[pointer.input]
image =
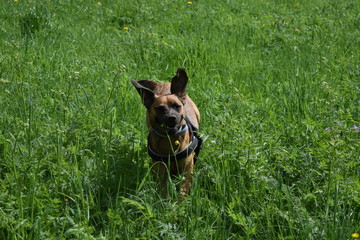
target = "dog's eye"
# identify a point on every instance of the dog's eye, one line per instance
(176, 106)
(160, 108)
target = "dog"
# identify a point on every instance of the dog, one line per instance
(173, 122)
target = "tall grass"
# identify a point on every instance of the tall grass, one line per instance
(277, 84)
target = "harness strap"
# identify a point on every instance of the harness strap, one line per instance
(194, 145)
(180, 155)
(195, 131)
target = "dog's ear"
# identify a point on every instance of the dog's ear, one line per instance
(144, 88)
(178, 84)
(148, 84)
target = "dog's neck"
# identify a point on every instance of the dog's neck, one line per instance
(165, 144)
(173, 148)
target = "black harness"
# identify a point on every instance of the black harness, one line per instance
(194, 145)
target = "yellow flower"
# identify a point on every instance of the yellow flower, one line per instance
(355, 235)
(177, 142)
(126, 28)
(98, 3)
(16, 0)
(189, 3)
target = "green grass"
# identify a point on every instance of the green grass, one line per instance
(277, 85)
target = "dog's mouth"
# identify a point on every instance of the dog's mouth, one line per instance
(170, 124)
(172, 129)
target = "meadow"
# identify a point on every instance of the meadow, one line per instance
(277, 83)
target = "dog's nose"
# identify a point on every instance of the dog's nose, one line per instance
(171, 121)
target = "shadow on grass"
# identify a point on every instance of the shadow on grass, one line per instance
(120, 167)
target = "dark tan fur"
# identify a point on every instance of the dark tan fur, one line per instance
(164, 96)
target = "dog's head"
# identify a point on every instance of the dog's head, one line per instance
(165, 111)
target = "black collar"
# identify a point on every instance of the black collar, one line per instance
(195, 144)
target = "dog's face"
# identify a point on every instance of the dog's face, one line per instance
(166, 111)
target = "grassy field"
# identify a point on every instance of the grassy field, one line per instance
(277, 83)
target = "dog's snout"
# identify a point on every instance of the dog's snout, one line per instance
(171, 120)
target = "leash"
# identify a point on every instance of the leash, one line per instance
(194, 145)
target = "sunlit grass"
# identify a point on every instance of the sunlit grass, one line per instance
(277, 86)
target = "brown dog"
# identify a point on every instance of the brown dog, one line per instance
(173, 121)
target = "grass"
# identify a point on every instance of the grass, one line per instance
(277, 84)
